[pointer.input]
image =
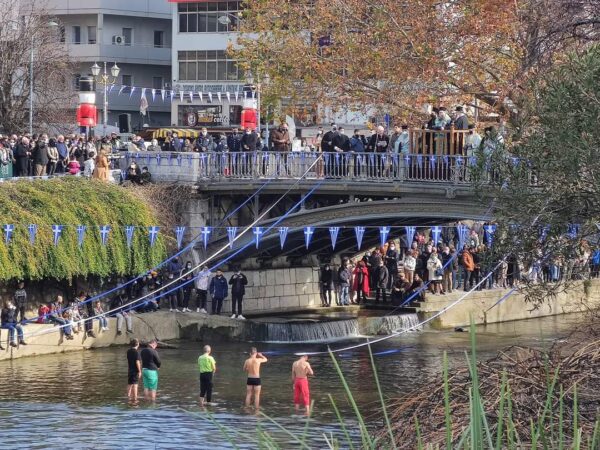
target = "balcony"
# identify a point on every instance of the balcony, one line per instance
(130, 54)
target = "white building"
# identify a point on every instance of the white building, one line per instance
(202, 31)
(134, 34)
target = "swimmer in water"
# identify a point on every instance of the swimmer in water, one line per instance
(252, 368)
(300, 371)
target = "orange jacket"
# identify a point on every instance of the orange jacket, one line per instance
(468, 261)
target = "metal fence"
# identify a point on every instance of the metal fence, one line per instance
(380, 167)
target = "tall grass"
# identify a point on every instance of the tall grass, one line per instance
(486, 430)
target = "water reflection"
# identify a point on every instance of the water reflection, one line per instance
(78, 399)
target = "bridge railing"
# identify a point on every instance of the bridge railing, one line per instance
(438, 142)
(382, 167)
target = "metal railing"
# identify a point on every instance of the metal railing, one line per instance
(379, 167)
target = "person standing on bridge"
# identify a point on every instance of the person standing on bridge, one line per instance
(218, 291)
(238, 282)
(252, 368)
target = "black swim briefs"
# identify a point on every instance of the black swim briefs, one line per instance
(253, 382)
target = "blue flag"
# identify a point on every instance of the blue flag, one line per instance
(257, 234)
(153, 234)
(383, 234)
(360, 232)
(410, 235)
(283, 232)
(308, 233)
(81, 229)
(104, 231)
(32, 228)
(179, 233)
(129, 230)
(489, 234)
(231, 232)
(8, 232)
(573, 230)
(333, 232)
(205, 236)
(463, 234)
(56, 232)
(436, 232)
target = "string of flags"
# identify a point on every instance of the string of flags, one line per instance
(461, 231)
(181, 94)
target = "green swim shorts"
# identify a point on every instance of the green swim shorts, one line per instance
(150, 378)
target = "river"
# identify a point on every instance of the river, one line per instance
(77, 400)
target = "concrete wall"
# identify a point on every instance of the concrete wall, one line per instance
(583, 297)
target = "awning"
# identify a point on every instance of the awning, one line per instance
(182, 133)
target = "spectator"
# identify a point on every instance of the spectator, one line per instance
(238, 282)
(447, 261)
(234, 141)
(344, 277)
(218, 291)
(55, 316)
(417, 290)
(187, 146)
(102, 167)
(468, 268)
(391, 262)
(21, 155)
(280, 139)
(361, 282)
(117, 308)
(52, 157)
(20, 301)
(9, 322)
(89, 165)
(154, 147)
(145, 176)
(326, 285)
(436, 273)
(63, 154)
(461, 122)
(73, 167)
(381, 279)
(249, 141)
(202, 280)
(399, 290)
(187, 277)
(204, 142)
(99, 313)
(134, 172)
(410, 262)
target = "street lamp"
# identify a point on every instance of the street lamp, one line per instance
(50, 24)
(265, 80)
(106, 80)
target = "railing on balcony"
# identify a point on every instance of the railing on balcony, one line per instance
(438, 142)
(355, 167)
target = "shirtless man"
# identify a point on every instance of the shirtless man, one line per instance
(300, 371)
(252, 368)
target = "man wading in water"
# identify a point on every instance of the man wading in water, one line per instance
(150, 366)
(134, 372)
(300, 371)
(252, 368)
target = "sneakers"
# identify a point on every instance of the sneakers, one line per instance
(119, 332)
(203, 311)
(91, 334)
(233, 316)
(22, 342)
(69, 337)
(129, 331)
(105, 329)
(240, 317)
(13, 344)
(197, 310)
(170, 309)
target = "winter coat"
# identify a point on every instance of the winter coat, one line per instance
(326, 278)
(468, 262)
(344, 275)
(381, 277)
(379, 144)
(202, 280)
(218, 287)
(361, 279)
(410, 262)
(9, 316)
(40, 154)
(280, 140)
(234, 142)
(391, 261)
(238, 284)
(20, 297)
(249, 142)
(434, 264)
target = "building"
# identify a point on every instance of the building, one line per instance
(202, 30)
(134, 34)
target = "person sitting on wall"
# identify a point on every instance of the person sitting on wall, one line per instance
(9, 322)
(145, 176)
(134, 172)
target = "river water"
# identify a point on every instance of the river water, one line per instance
(77, 400)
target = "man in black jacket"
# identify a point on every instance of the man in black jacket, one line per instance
(9, 322)
(381, 279)
(380, 144)
(327, 149)
(40, 158)
(22, 153)
(341, 145)
(238, 282)
(344, 276)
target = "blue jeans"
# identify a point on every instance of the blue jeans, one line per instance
(11, 327)
(344, 294)
(62, 322)
(103, 321)
(554, 272)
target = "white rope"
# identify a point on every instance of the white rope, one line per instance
(190, 271)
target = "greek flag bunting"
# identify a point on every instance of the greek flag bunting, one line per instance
(463, 234)
(231, 232)
(153, 234)
(179, 233)
(104, 231)
(384, 232)
(333, 233)
(489, 234)
(8, 232)
(81, 229)
(573, 230)
(359, 232)
(32, 228)
(257, 233)
(308, 233)
(410, 235)
(205, 236)
(283, 232)
(129, 230)
(436, 232)
(56, 232)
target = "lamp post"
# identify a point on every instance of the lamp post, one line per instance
(106, 80)
(265, 80)
(51, 24)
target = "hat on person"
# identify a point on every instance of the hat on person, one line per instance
(471, 126)
(459, 108)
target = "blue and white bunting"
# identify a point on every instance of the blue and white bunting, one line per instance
(153, 234)
(32, 228)
(333, 233)
(573, 230)
(359, 232)
(544, 232)
(56, 232)
(384, 232)
(410, 235)
(257, 231)
(308, 233)
(489, 234)
(179, 233)
(205, 236)
(463, 234)
(8, 232)
(436, 232)
(104, 232)
(129, 230)
(283, 232)
(81, 229)
(231, 233)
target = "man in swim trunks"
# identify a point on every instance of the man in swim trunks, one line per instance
(207, 367)
(252, 368)
(300, 371)
(150, 366)
(134, 372)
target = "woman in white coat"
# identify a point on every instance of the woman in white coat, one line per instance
(434, 266)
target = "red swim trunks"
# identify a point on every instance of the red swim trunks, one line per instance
(301, 392)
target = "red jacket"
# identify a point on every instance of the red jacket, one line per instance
(365, 279)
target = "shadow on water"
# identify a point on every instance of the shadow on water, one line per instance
(78, 399)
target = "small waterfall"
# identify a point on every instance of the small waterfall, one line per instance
(306, 331)
(392, 324)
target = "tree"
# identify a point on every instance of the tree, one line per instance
(26, 28)
(546, 188)
(400, 54)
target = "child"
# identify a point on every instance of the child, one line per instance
(43, 312)
(89, 165)
(73, 166)
(99, 313)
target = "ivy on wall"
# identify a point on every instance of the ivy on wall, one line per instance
(74, 201)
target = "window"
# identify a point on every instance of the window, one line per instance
(159, 39)
(128, 35)
(62, 33)
(127, 81)
(209, 17)
(157, 82)
(207, 66)
(76, 34)
(76, 78)
(91, 34)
